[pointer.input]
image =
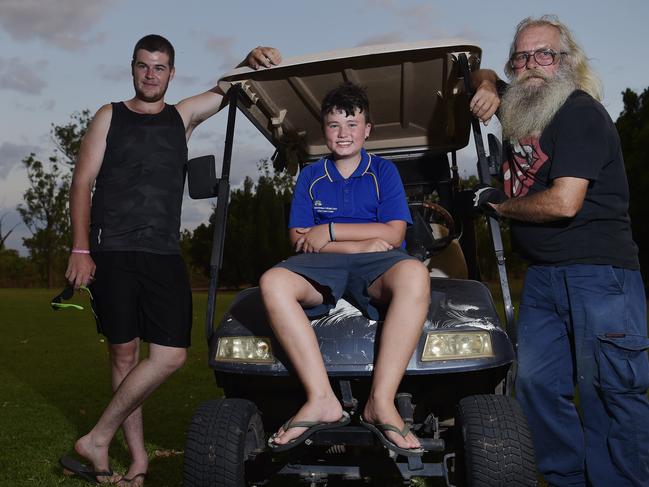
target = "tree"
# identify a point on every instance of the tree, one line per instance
(633, 127)
(44, 209)
(16, 271)
(256, 237)
(45, 213)
(68, 137)
(239, 250)
(5, 236)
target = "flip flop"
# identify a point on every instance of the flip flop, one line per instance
(312, 427)
(84, 471)
(379, 431)
(128, 481)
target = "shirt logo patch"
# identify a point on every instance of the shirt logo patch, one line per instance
(324, 209)
(317, 203)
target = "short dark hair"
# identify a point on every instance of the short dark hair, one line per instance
(346, 97)
(153, 43)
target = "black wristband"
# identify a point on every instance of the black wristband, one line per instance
(332, 237)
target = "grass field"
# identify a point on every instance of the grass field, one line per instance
(55, 383)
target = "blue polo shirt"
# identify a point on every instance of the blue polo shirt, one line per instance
(372, 194)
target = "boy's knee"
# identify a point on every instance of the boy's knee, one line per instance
(414, 276)
(270, 279)
(278, 283)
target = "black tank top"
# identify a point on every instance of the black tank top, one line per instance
(138, 192)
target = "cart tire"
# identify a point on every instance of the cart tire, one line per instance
(223, 433)
(495, 444)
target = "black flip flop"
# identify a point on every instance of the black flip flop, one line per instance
(312, 427)
(132, 479)
(379, 431)
(84, 471)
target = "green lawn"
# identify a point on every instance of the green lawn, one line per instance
(55, 383)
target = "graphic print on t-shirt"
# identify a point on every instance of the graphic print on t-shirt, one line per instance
(521, 168)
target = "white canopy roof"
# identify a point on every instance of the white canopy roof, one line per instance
(417, 97)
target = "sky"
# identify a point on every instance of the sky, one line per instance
(63, 56)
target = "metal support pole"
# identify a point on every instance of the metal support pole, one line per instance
(221, 214)
(494, 227)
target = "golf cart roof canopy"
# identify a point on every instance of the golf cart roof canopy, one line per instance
(417, 98)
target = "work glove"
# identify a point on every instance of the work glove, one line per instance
(484, 195)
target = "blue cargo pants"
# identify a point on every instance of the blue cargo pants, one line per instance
(585, 325)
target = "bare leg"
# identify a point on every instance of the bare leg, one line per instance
(124, 358)
(134, 389)
(406, 287)
(284, 293)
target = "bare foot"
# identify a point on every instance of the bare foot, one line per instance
(136, 474)
(97, 455)
(377, 412)
(137, 480)
(325, 410)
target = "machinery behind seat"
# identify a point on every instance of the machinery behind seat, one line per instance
(433, 236)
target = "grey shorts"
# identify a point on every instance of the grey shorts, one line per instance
(344, 275)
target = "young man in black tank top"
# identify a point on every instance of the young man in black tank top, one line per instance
(125, 245)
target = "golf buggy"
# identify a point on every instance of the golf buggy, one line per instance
(456, 392)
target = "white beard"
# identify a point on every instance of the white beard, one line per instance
(526, 110)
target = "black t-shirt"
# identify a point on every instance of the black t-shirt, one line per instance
(139, 189)
(582, 142)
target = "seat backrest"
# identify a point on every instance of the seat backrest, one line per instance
(450, 262)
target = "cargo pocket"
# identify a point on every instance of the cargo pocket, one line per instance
(623, 365)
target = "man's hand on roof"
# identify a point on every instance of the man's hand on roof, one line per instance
(485, 102)
(263, 56)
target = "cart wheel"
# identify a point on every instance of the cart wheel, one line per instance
(494, 443)
(222, 435)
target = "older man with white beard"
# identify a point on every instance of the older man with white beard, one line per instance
(582, 317)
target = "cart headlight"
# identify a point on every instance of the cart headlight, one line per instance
(454, 345)
(244, 349)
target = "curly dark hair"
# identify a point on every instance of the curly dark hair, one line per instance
(346, 97)
(153, 43)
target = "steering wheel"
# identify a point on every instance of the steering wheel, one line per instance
(433, 229)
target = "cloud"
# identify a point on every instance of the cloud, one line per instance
(49, 104)
(17, 75)
(222, 47)
(63, 24)
(186, 80)
(420, 17)
(219, 43)
(195, 212)
(115, 72)
(205, 135)
(12, 154)
(37, 106)
(386, 38)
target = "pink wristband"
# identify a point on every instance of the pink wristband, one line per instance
(80, 251)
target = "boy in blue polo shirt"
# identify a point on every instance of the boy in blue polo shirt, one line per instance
(348, 222)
